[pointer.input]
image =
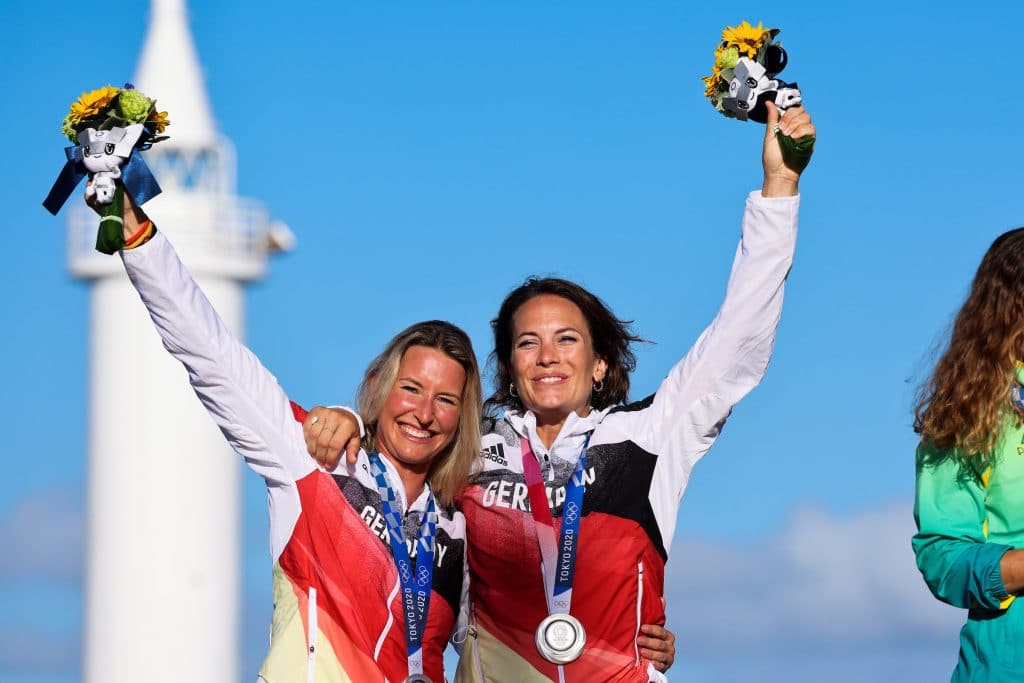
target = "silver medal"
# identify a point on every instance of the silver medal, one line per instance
(560, 638)
(416, 678)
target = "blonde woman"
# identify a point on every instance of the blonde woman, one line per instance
(573, 503)
(369, 560)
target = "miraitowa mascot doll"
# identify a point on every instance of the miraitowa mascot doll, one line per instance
(745, 77)
(752, 84)
(103, 154)
(112, 127)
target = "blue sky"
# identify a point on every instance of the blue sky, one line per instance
(429, 156)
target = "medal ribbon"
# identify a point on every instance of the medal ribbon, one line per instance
(416, 578)
(559, 560)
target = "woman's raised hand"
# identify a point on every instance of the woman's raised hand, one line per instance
(328, 433)
(779, 179)
(133, 215)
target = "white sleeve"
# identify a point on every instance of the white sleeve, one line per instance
(684, 417)
(242, 396)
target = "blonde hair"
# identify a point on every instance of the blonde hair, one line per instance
(450, 469)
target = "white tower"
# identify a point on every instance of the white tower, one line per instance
(163, 549)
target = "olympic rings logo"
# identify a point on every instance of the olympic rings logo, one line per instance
(422, 575)
(571, 513)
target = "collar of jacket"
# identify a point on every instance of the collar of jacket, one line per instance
(394, 478)
(525, 424)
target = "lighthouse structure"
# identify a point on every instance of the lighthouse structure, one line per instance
(162, 567)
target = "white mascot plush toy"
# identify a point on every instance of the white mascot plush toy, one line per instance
(103, 154)
(752, 85)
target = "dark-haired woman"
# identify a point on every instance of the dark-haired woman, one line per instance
(565, 601)
(369, 561)
(969, 505)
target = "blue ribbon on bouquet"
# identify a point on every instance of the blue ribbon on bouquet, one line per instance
(136, 177)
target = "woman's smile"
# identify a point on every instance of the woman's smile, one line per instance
(553, 359)
(421, 414)
(413, 433)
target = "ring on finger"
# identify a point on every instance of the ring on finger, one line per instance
(316, 418)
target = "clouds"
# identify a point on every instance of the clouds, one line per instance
(823, 594)
(38, 652)
(42, 536)
(824, 598)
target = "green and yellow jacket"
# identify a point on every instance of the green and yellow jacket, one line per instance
(969, 513)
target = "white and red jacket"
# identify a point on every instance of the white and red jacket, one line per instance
(337, 609)
(637, 468)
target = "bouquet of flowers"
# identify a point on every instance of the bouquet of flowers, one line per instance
(745, 76)
(109, 126)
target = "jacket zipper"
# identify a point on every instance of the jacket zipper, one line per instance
(476, 647)
(312, 630)
(387, 625)
(639, 603)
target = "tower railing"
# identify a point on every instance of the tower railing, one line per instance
(221, 235)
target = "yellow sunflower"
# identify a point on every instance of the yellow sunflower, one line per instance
(746, 38)
(711, 82)
(710, 85)
(158, 121)
(90, 104)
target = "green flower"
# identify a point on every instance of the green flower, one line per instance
(67, 126)
(133, 106)
(729, 58)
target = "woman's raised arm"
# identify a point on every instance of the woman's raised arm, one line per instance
(242, 397)
(684, 417)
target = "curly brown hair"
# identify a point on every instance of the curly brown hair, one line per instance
(963, 405)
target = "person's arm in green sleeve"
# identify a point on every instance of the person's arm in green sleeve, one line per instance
(958, 564)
